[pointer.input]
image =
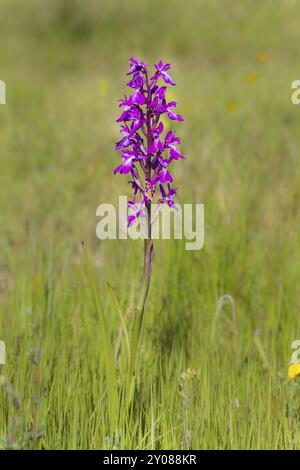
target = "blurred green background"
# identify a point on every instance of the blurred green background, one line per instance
(64, 64)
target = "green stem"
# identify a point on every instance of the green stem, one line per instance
(138, 321)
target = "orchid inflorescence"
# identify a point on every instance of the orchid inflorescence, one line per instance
(144, 149)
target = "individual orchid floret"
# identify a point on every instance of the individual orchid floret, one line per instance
(162, 72)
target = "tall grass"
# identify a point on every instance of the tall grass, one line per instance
(204, 379)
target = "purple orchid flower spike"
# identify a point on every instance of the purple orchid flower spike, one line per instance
(147, 155)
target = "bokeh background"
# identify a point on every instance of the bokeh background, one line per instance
(64, 64)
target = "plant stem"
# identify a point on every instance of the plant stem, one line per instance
(148, 258)
(139, 313)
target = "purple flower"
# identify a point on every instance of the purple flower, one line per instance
(162, 72)
(136, 210)
(167, 197)
(144, 149)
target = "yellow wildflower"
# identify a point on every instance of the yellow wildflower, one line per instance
(250, 78)
(232, 106)
(294, 370)
(261, 57)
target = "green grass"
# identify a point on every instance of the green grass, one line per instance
(64, 64)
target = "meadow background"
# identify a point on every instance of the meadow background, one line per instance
(205, 381)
